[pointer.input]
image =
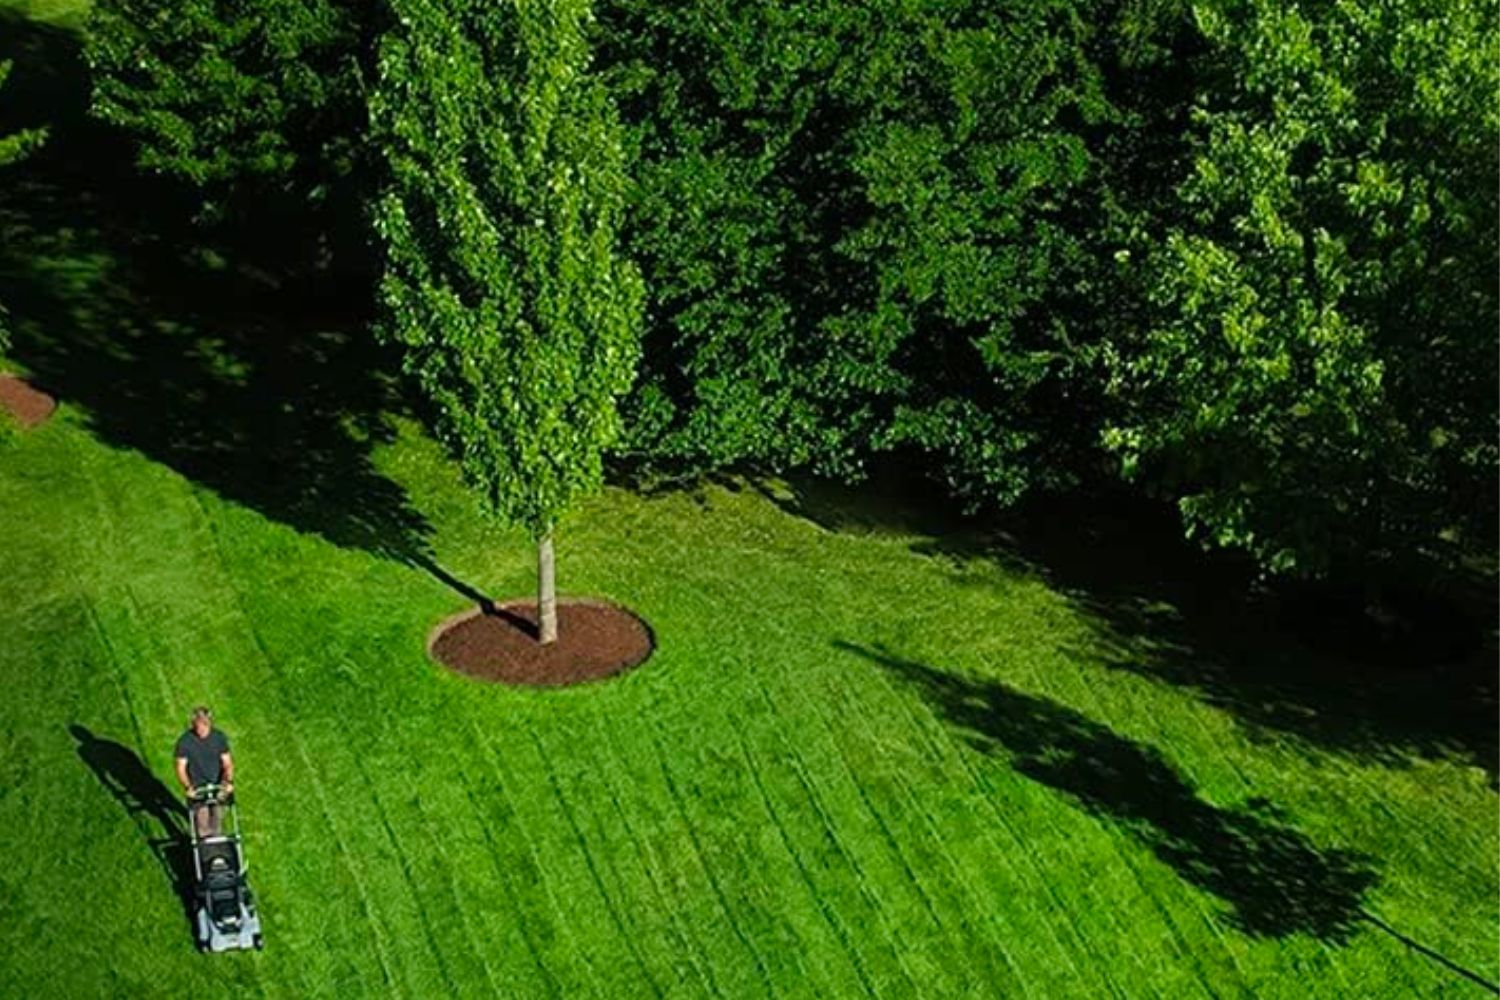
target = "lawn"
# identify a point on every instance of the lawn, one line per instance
(873, 754)
(860, 763)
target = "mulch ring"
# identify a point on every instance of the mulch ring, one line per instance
(594, 640)
(27, 405)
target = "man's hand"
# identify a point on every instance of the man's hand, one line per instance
(228, 789)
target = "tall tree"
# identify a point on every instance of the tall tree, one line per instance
(1315, 380)
(518, 315)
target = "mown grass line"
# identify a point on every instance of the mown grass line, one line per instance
(605, 765)
(581, 842)
(111, 553)
(520, 922)
(574, 949)
(250, 706)
(851, 701)
(446, 843)
(799, 769)
(815, 896)
(1143, 878)
(972, 900)
(675, 797)
(294, 730)
(1093, 698)
(443, 873)
(423, 919)
(940, 747)
(567, 848)
(888, 946)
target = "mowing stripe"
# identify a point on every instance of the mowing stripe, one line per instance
(1197, 896)
(588, 858)
(724, 908)
(411, 886)
(861, 880)
(106, 516)
(278, 686)
(604, 764)
(564, 925)
(830, 916)
(926, 723)
(106, 539)
(435, 835)
(520, 924)
(993, 915)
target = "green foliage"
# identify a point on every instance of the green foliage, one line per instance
(519, 317)
(14, 148)
(1248, 245)
(221, 92)
(1318, 380)
(851, 217)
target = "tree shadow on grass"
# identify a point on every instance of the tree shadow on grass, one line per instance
(1286, 661)
(267, 403)
(1303, 660)
(1277, 881)
(155, 811)
(264, 385)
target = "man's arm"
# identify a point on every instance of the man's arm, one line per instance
(182, 775)
(227, 762)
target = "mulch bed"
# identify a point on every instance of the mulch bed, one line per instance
(28, 405)
(594, 640)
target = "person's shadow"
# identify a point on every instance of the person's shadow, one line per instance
(157, 813)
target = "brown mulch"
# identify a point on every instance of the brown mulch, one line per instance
(594, 640)
(28, 405)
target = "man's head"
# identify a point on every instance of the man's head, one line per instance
(202, 721)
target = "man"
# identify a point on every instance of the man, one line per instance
(203, 759)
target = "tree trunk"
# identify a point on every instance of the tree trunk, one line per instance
(546, 580)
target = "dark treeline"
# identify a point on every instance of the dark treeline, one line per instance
(1242, 255)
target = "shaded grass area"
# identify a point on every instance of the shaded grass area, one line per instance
(1291, 662)
(185, 341)
(1276, 880)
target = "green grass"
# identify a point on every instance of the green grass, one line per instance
(850, 769)
(872, 761)
(68, 13)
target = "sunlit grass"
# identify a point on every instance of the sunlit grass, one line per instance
(850, 769)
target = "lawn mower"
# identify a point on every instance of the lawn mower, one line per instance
(224, 910)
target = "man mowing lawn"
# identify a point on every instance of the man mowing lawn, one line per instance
(203, 759)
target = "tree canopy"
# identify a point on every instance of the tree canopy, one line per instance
(1316, 378)
(519, 317)
(1241, 253)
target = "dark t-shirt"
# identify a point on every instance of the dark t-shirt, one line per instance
(203, 764)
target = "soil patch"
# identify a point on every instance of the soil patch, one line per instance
(594, 640)
(28, 405)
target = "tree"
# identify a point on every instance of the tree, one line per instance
(257, 106)
(1316, 382)
(14, 148)
(518, 316)
(860, 224)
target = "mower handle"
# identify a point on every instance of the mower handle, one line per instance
(205, 793)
